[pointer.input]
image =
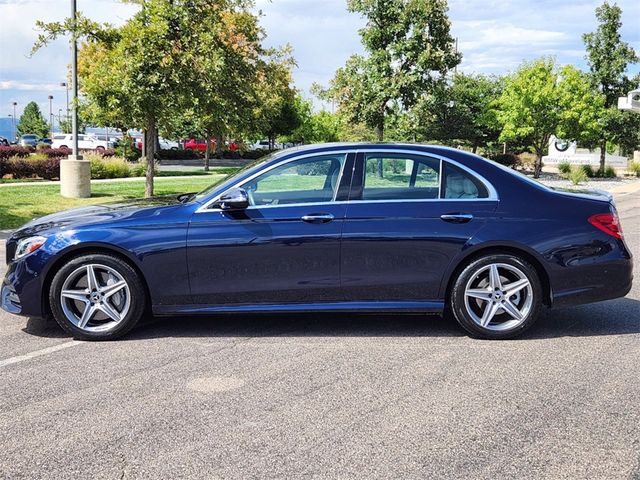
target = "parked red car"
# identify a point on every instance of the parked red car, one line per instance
(200, 144)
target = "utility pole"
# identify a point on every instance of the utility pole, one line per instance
(66, 86)
(50, 117)
(75, 172)
(15, 132)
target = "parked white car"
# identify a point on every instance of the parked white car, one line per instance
(264, 145)
(85, 142)
(168, 144)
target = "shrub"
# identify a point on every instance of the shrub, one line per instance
(102, 168)
(255, 154)
(564, 168)
(588, 171)
(47, 168)
(9, 152)
(527, 160)
(609, 172)
(127, 150)
(54, 152)
(20, 167)
(576, 175)
(634, 168)
(177, 154)
(506, 159)
(140, 169)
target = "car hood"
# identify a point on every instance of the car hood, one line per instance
(106, 213)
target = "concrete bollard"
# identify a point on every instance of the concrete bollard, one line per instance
(75, 177)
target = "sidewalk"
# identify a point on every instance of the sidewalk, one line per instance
(107, 180)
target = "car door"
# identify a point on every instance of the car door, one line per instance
(408, 216)
(285, 247)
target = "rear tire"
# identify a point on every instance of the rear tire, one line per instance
(97, 296)
(496, 297)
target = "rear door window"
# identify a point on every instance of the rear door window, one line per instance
(389, 176)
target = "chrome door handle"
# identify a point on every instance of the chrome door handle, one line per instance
(317, 218)
(457, 217)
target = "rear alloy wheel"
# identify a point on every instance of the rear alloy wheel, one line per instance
(497, 297)
(96, 297)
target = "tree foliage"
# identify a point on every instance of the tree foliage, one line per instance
(609, 57)
(541, 100)
(462, 112)
(32, 121)
(409, 51)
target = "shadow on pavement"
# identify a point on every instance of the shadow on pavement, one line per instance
(615, 317)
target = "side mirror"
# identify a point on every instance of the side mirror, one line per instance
(234, 199)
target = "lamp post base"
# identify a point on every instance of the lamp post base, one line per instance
(75, 177)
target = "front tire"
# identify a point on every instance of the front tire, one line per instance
(496, 297)
(97, 296)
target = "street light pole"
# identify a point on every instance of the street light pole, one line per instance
(66, 87)
(15, 132)
(50, 117)
(75, 172)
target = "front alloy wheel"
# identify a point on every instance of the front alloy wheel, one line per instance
(97, 296)
(497, 297)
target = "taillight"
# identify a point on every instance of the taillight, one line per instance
(608, 223)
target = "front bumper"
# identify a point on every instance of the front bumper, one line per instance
(21, 289)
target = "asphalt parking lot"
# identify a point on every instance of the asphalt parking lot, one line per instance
(331, 396)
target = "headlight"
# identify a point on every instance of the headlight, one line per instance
(28, 245)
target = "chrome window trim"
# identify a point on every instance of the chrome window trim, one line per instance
(205, 206)
(493, 194)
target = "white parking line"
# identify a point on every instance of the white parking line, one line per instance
(38, 353)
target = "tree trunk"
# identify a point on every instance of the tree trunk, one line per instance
(219, 141)
(538, 167)
(150, 151)
(380, 138)
(474, 148)
(603, 156)
(207, 152)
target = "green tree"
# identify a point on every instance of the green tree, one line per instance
(410, 50)
(232, 63)
(141, 73)
(582, 108)
(277, 111)
(462, 111)
(315, 127)
(540, 100)
(609, 58)
(32, 121)
(529, 107)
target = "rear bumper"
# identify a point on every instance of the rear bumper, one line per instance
(595, 283)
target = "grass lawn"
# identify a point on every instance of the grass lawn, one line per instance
(20, 204)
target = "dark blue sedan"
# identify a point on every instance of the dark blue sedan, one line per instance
(343, 227)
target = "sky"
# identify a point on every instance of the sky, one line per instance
(494, 36)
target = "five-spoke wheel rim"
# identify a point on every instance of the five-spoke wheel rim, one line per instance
(498, 297)
(95, 298)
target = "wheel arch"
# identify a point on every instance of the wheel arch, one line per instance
(483, 250)
(84, 249)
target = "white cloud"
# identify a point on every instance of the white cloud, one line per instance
(27, 86)
(494, 37)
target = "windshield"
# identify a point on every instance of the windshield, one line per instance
(229, 178)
